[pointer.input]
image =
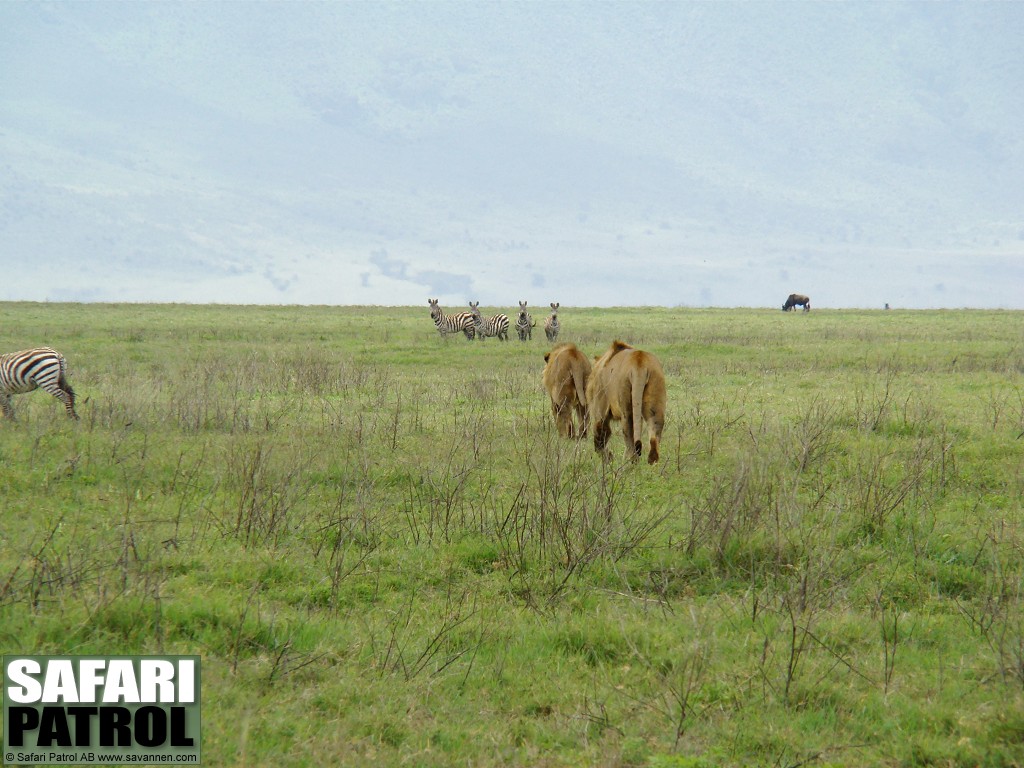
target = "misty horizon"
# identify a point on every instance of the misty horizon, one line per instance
(606, 154)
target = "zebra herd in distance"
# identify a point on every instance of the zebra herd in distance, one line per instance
(472, 324)
(45, 368)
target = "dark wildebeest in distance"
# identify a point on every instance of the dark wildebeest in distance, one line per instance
(797, 300)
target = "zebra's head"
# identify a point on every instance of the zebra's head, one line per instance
(474, 307)
(435, 310)
(554, 308)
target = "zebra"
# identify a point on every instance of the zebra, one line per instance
(492, 326)
(525, 324)
(551, 325)
(29, 369)
(459, 321)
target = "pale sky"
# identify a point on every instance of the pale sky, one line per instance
(591, 153)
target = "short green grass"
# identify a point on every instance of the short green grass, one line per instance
(383, 551)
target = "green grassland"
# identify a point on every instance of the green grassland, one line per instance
(384, 553)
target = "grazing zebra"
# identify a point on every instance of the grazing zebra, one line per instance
(460, 321)
(525, 324)
(492, 326)
(551, 325)
(24, 371)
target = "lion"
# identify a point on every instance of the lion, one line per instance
(566, 371)
(627, 385)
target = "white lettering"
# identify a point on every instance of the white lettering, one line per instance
(186, 681)
(81, 680)
(121, 684)
(59, 682)
(19, 674)
(88, 679)
(157, 674)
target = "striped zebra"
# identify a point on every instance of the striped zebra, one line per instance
(551, 325)
(492, 326)
(525, 324)
(460, 321)
(42, 368)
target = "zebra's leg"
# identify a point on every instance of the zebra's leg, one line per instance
(5, 406)
(67, 396)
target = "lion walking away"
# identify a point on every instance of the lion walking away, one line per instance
(566, 372)
(627, 385)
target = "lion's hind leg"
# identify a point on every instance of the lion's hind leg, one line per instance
(634, 448)
(581, 417)
(602, 431)
(655, 426)
(563, 417)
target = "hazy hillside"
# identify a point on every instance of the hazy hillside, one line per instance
(594, 153)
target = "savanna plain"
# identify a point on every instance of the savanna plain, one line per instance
(384, 553)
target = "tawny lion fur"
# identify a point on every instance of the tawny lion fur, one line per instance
(627, 385)
(566, 372)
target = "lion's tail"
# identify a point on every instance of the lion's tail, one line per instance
(578, 381)
(638, 384)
